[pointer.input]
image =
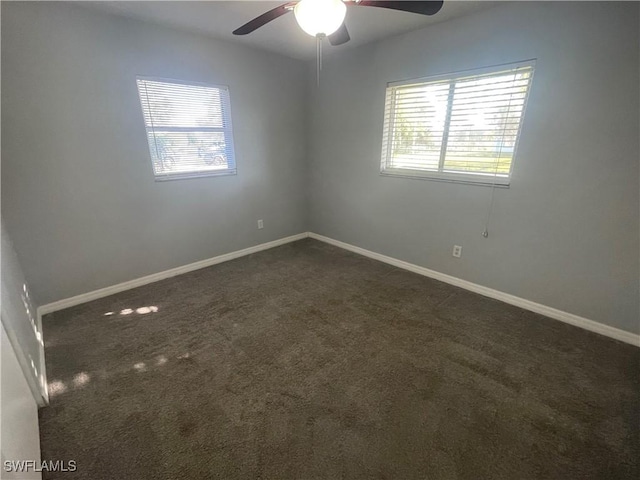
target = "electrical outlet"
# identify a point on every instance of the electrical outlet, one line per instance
(457, 251)
(260, 224)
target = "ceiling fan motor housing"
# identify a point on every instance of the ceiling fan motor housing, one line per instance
(320, 17)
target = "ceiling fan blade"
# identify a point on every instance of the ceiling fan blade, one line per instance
(340, 36)
(264, 18)
(422, 7)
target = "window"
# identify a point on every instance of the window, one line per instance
(188, 128)
(457, 127)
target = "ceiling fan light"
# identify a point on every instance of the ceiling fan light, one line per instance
(320, 17)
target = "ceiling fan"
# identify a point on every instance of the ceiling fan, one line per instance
(325, 18)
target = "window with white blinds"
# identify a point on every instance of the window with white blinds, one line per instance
(188, 128)
(458, 127)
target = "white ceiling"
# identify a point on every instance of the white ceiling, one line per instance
(219, 18)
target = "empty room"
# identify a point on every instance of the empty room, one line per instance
(324, 239)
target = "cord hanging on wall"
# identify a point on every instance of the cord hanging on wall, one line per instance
(485, 232)
(319, 38)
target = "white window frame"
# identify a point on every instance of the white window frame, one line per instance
(482, 179)
(227, 130)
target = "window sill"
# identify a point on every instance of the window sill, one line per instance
(469, 179)
(184, 176)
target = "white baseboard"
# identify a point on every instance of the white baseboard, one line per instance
(138, 282)
(622, 335)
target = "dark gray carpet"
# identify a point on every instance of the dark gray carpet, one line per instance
(308, 362)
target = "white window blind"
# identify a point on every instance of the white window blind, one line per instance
(460, 127)
(188, 128)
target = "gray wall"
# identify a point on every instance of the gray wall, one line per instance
(78, 194)
(84, 212)
(566, 233)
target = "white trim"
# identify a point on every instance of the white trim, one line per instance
(138, 282)
(502, 68)
(570, 318)
(481, 180)
(44, 385)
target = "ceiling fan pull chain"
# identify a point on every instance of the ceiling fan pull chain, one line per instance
(319, 38)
